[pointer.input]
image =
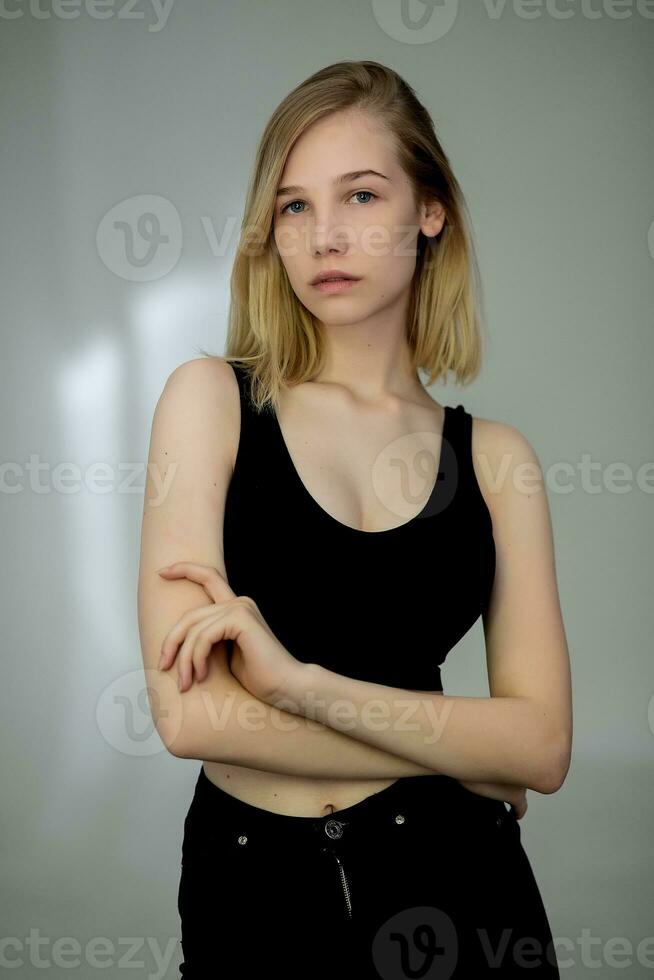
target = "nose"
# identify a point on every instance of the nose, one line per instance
(326, 236)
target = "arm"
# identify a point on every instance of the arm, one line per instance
(225, 723)
(500, 739)
(520, 735)
(193, 442)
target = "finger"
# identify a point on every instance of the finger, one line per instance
(227, 623)
(213, 630)
(215, 585)
(177, 633)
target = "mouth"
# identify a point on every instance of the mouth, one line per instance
(336, 285)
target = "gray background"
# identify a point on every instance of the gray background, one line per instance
(546, 123)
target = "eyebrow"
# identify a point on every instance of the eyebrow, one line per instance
(342, 179)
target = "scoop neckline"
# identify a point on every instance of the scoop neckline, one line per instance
(347, 528)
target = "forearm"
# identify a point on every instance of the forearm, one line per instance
(222, 722)
(505, 740)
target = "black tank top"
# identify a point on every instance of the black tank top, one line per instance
(380, 606)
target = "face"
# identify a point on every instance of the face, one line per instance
(366, 226)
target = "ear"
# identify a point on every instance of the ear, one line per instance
(432, 218)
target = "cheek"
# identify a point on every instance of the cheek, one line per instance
(290, 241)
(394, 270)
(389, 240)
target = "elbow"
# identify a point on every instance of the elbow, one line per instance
(184, 743)
(176, 747)
(179, 731)
(172, 737)
(198, 723)
(166, 714)
(190, 730)
(556, 766)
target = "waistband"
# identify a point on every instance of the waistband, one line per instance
(418, 800)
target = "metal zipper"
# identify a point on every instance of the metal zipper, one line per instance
(346, 887)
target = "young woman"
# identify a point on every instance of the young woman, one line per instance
(333, 532)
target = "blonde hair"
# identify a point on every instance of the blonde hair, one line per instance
(270, 332)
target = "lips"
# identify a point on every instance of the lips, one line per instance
(332, 274)
(333, 286)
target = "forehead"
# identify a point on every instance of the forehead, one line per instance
(340, 143)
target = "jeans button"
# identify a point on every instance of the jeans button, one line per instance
(242, 839)
(334, 829)
(399, 818)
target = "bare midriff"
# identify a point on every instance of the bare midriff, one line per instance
(292, 795)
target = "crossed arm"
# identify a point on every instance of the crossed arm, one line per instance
(520, 735)
(217, 720)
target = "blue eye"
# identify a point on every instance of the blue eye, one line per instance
(291, 203)
(369, 193)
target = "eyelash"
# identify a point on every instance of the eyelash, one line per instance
(283, 209)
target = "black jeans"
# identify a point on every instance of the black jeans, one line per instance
(423, 879)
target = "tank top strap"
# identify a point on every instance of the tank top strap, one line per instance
(258, 449)
(248, 411)
(460, 440)
(460, 448)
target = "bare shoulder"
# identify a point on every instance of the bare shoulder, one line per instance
(505, 462)
(202, 370)
(207, 377)
(202, 395)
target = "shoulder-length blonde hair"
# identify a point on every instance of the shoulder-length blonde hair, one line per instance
(270, 332)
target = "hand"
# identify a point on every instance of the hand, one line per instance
(259, 661)
(507, 792)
